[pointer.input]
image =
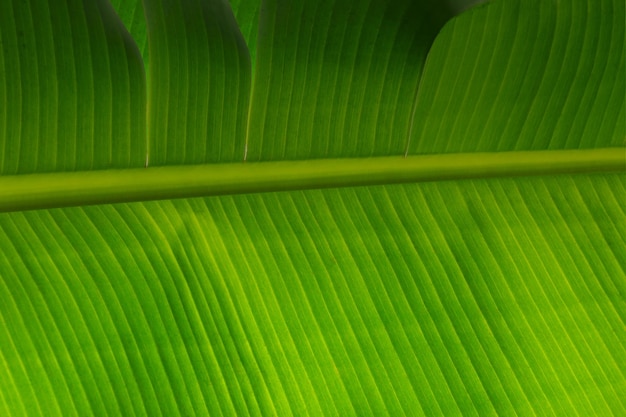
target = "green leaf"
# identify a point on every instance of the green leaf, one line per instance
(339, 79)
(247, 15)
(199, 83)
(72, 90)
(132, 14)
(475, 297)
(458, 296)
(548, 75)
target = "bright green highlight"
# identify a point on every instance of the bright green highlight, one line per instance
(110, 186)
(485, 297)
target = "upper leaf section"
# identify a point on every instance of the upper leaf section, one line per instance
(199, 83)
(72, 88)
(132, 14)
(247, 15)
(332, 79)
(525, 75)
(338, 78)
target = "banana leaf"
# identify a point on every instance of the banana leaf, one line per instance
(294, 207)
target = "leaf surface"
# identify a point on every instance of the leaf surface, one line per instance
(500, 296)
(338, 79)
(199, 83)
(470, 297)
(525, 75)
(72, 89)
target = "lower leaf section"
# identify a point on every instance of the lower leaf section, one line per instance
(474, 297)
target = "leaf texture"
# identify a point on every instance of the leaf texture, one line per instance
(482, 297)
(525, 75)
(131, 12)
(470, 297)
(247, 14)
(337, 78)
(199, 83)
(72, 88)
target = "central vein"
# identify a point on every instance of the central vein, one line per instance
(46, 190)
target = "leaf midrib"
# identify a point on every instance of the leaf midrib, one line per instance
(47, 190)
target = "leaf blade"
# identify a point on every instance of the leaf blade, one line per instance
(362, 250)
(199, 83)
(524, 75)
(57, 116)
